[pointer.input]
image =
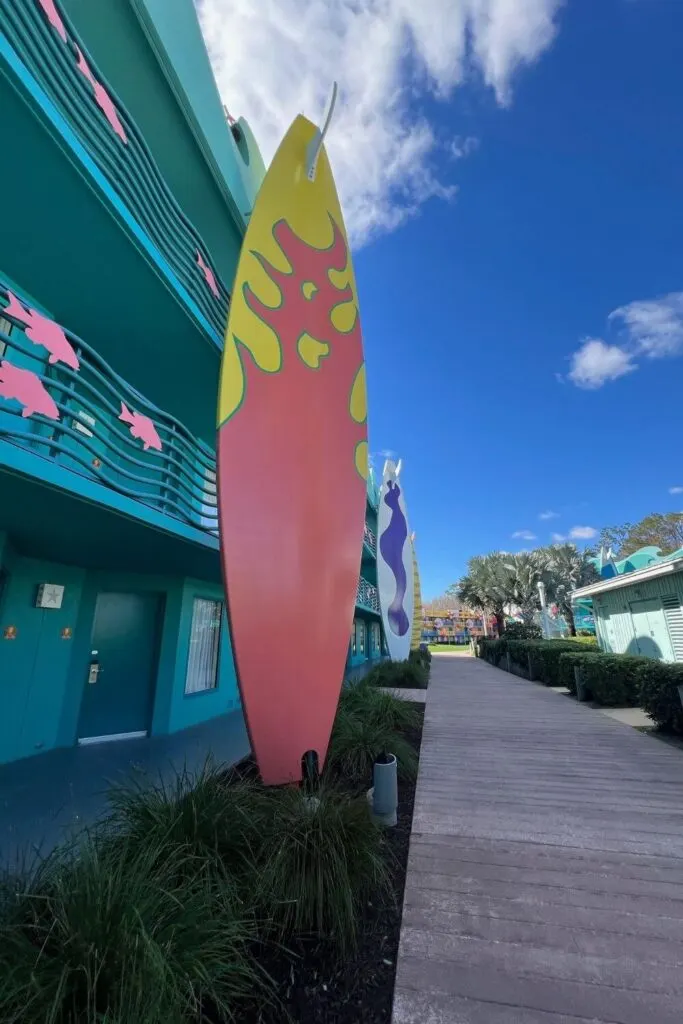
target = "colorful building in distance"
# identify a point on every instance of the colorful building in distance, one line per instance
(126, 198)
(451, 626)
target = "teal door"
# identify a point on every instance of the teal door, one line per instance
(119, 687)
(651, 632)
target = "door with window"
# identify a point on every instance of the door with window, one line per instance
(118, 696)
(651, 634)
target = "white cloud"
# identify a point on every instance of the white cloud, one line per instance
(676, 490)
(654, 327)
(557, 538)
(548, 515)
(524, 535)
(650, 327)
(596, 362)
(276, 58)
(463, 146)
(583, 532)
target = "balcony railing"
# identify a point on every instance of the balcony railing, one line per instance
(60, 399)
(45, 40)
(367, 595)
(369, 539)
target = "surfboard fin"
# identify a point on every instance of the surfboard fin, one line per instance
(316, 143)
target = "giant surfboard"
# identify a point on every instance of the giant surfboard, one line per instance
(292, 460)
(395, 581)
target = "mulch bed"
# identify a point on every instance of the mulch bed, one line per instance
(314, 985)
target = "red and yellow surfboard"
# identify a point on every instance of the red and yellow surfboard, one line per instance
(292, 460)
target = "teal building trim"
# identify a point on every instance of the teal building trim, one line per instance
(58, 122)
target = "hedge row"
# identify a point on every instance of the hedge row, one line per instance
(538, 659)
(608, 679)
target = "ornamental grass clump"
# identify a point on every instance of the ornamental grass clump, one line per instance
(323, 858)
(211, 814)
(110, 933)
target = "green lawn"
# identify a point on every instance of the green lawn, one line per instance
(450, 648)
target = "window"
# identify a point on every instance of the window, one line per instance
(354, 633)
(376, 637)
(360, 636)
(5, 328)
(205, 635)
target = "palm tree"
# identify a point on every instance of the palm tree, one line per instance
(568, 569)
(486, 587)
(527, 569)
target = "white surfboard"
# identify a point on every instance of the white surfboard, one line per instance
(395, 564)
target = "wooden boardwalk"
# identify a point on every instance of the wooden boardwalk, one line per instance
(545, 880)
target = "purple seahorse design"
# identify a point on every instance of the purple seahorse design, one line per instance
(391, 547)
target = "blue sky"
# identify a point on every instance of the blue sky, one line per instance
(521, 292)
(570, 208)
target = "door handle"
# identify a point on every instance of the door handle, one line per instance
(93, 672)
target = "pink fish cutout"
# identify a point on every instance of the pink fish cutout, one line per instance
(208, 273)
(28, 389)
(102, 97)
(52, 15)
(43, 331)
(142, 428)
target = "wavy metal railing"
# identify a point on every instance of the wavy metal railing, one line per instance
(370, 539)
(372, 491)
(367, 595)
(47, 42)
(74, 409)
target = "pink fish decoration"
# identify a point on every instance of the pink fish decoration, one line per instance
(142, 428)
(208, 273)
(52, 15)
(43, 331)
(28, 389)
(102, 97)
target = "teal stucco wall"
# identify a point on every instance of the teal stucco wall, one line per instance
(123, 53)
(42, 675)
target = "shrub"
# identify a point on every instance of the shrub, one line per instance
(542, 656)
(421, 656)
(370, 702)
(569, 660)
(411, 675)
(659, 684)
(325, 859)
(94, 935)
(200, 813)
(523, 631)
(358, 740)
(613, 679)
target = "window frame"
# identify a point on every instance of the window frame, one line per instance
(219, 646)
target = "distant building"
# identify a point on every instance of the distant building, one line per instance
(451, 626)
(640, 611)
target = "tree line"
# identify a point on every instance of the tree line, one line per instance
(499, 580)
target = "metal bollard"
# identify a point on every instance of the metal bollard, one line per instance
(383, 797)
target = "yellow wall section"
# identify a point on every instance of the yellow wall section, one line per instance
(287, 194)
(416, 638)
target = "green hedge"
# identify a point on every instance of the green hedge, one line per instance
(659, 682)
(568, 661)
(613, 679)
(542, 656)
(411, 674)
(610, 679)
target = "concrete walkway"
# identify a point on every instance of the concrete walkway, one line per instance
(45, 799)
(545, 880)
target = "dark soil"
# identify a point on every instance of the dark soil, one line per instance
(314, 985)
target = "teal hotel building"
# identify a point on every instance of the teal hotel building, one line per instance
(125, 195)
